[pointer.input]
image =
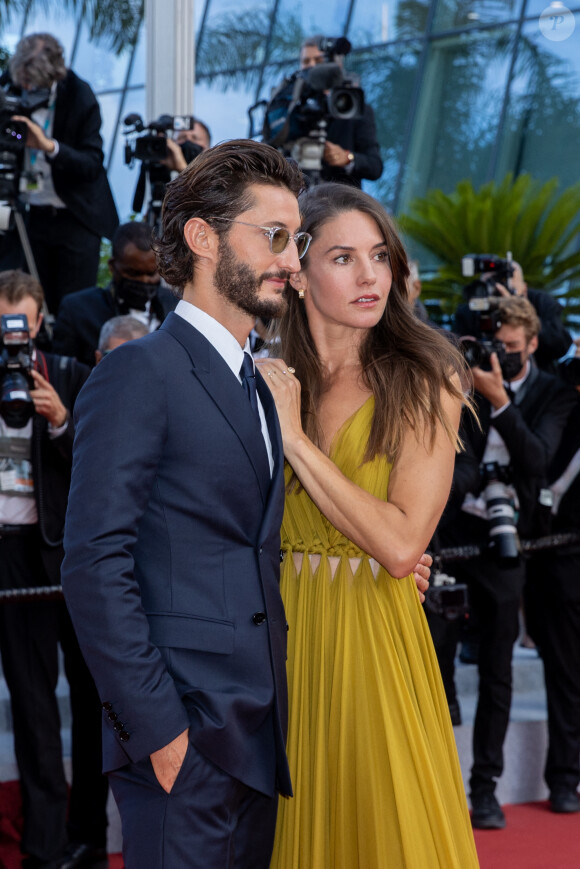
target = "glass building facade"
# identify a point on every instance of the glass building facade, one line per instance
(460, 88)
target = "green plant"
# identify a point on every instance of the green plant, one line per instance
(533, 220)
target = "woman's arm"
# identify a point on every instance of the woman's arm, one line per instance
(396, 532)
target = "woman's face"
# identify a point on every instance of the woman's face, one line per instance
(348, 277)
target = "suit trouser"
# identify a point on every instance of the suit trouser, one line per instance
(494, 599)
(30, 634)
(209, 820)
(553, 604)
(66, 253)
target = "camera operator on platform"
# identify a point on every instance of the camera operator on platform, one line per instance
(135, 289)
(522, 413)
(36, 438)
(554, 339)
(70, 203)
(351, 152)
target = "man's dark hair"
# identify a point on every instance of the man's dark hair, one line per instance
(216, 184)
(16, 285)
(135, 233)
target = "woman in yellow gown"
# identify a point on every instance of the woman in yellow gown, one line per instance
(369, 423)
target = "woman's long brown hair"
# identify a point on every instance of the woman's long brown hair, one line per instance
(405, 363)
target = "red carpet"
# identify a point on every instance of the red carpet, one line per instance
(534, 838)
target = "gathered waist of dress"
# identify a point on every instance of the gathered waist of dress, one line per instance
(334, 555)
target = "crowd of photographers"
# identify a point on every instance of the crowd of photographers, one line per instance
(516, 480)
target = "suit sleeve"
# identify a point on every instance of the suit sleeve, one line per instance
(531, 452)
(80, 153)
(554, 338)
(121, 424)
(367, 153)
(65, 336)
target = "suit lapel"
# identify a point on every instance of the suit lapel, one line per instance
(226, 392)
(275, 503)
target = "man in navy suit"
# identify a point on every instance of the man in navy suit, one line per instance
(172, 539)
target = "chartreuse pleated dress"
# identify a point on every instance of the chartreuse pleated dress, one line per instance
(377, 783)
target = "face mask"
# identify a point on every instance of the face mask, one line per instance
(134, 294)
(511, 365)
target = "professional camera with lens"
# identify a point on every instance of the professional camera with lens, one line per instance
(16, 405)
(297, 116)
(482, 293)
(504, 541)
(151, 148)
(478, 352)
(13, 134)
(446, 597)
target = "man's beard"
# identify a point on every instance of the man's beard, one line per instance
(236, 281)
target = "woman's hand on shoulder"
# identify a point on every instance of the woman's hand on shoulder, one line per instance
(285, 389)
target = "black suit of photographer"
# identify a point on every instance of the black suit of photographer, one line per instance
(82, 315)
(359, 137)
(531, 427)
(30, 634)
(66, 241)
(552, 601)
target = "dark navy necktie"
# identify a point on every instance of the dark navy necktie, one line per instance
(248, 376)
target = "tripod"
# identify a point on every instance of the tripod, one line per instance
(14, 209)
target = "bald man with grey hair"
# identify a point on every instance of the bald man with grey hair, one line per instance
(117, 331)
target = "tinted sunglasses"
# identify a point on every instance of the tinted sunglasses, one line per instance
(278, 237)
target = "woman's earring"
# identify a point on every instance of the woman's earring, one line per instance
(300, 294)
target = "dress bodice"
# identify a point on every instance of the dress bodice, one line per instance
(304, 528)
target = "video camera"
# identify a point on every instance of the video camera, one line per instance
(16, 348)
(483, 298)
(13, 134)
(297, 116)
(151, 149)
(481, 292)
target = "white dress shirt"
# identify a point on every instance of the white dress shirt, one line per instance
(229, 349)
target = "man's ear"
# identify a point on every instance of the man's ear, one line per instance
(200, 238)
(533, 345)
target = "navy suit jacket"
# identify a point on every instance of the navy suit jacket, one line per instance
(171, 569)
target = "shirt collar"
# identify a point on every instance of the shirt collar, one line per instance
(218, 336)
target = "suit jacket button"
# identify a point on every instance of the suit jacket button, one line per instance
(112, 716)
(259, 618)
(118, 725)
(124, 736)
(107, 706)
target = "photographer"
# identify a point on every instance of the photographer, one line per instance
(135, 289)
(554, 339)
(352, 152)
(36, 436)
(552, 600)
(180, 152)
(70, 203)
(522, 412)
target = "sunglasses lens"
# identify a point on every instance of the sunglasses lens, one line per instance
(302, 242)
(280, 239)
